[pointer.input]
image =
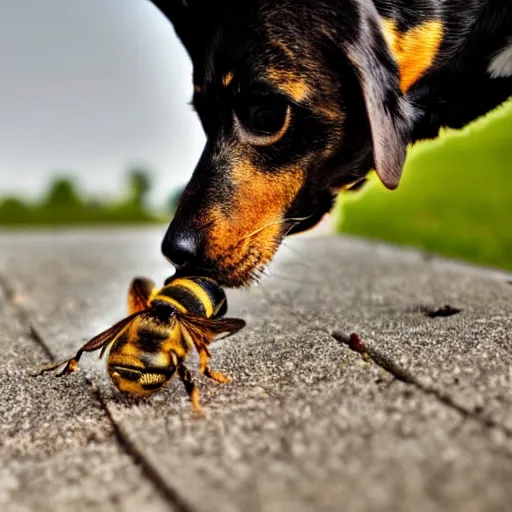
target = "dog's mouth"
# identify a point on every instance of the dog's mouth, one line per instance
(243, 263)
(245, 272)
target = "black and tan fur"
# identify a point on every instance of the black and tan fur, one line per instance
(163, 326)
(346, 85)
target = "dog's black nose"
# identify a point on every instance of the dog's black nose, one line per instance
(180, 246)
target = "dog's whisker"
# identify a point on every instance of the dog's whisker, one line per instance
(281, 277)
(257, 231)
(268, 225)
(261, 258)
(288, 230)
(293, 220)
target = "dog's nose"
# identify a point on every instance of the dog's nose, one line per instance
(180, 246)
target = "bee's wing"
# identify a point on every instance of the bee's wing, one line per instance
(207, 328)
(105, 337)
(100, 341)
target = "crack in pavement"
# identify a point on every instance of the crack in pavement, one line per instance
(354, 343)
(399, 373)
(168, 494)
(10, 294)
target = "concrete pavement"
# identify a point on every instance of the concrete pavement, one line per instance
(417, 416)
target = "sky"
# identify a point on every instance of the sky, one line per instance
(89, 88)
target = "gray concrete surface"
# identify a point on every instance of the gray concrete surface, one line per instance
(422, 420)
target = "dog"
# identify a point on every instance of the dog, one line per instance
(300, 99)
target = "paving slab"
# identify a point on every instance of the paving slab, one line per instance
(463, 358)
(57, 445)
(308, 423)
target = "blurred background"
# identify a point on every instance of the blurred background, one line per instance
(96, 129)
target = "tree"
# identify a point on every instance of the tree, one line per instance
(140, 186)
(62, 193)
(14, 211)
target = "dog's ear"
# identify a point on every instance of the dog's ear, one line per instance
(192, 21)
(390, 114)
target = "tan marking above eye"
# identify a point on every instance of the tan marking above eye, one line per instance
(197, 88)
(414, 50)
(289, 83)
(227, 78)
(264, 140)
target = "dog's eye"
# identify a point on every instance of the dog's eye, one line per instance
(263, 117)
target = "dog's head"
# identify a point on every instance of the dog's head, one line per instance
(298, 100)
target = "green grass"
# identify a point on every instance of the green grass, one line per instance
(16, 215)
(64, 204)
(455, 197)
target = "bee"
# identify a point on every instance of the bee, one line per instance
(163, 326)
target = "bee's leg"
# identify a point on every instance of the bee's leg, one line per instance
(50, 367)
(204, 356)
(216, 376)
(139, 294)
(100, 341)
(190, 387)
(71, 365)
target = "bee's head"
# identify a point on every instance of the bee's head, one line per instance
(162, 310)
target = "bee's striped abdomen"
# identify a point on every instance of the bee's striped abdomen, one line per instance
(197, 296)
(150, 340)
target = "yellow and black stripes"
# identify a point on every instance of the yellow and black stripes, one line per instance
(197, 296)
(151, 344)
(145, 356)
